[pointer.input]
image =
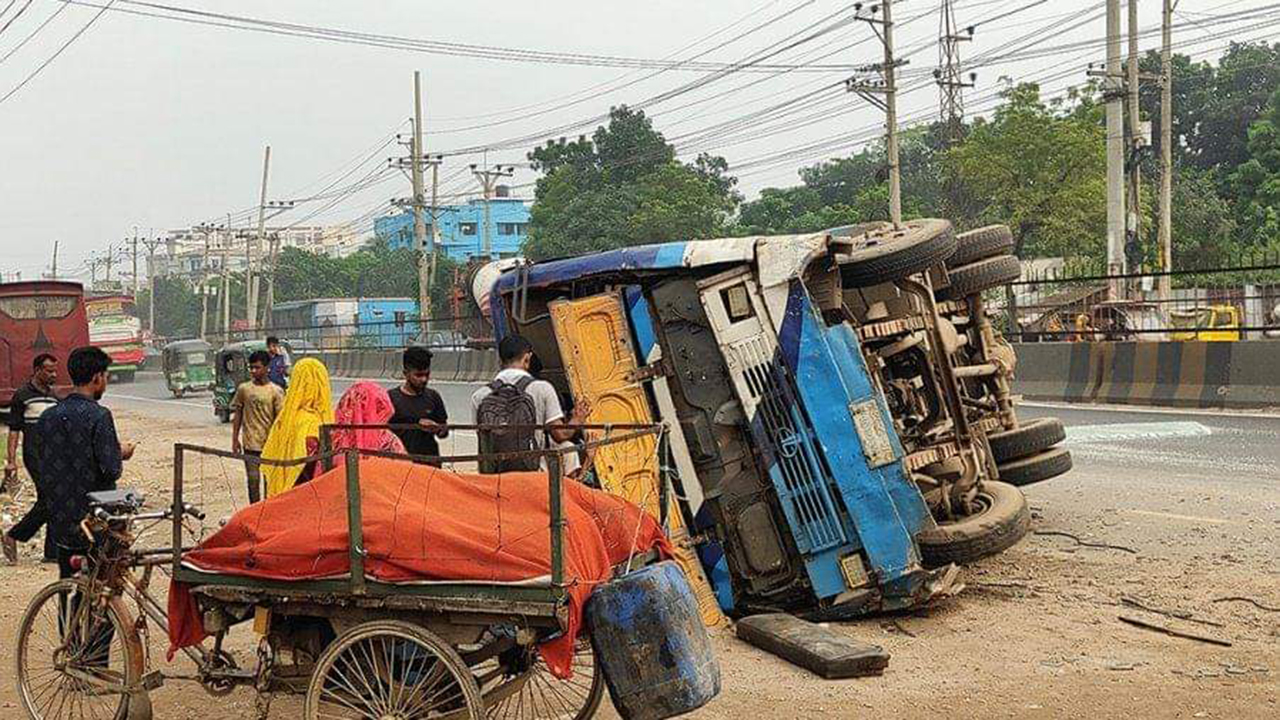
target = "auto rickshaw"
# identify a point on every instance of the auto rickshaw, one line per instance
(232, 368)
(188, 366)
(1212, 323)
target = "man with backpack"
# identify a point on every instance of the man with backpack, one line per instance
(515, 398)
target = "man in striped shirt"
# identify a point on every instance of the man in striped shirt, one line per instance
(28, 404)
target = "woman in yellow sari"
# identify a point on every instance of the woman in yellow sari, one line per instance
(308, 404)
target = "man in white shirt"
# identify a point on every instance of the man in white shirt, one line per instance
(516, 354)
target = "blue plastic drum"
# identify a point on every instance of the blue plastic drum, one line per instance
(651, 644)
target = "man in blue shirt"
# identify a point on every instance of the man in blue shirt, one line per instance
(278, 370)
(80, 448)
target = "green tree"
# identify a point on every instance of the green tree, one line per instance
(177, 308)
(622, 187)
(1256, 182)
(377, 271)
(1042, 169)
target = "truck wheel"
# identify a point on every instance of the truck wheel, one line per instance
(982, 275)
(985, 242)
(887, 255)
(1002, 519)
(1036, 468)
(1027, 439)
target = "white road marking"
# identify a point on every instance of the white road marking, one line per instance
(1143, 410)
(1175, 516)
(1121, 432)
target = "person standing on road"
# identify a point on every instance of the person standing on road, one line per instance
(29, 403)
(308, 404)
(516, 397)
(278, 368)
(256, 405)
(365, 403)
(80, 448)
(417, 404)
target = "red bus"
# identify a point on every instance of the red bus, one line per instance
(38, 317)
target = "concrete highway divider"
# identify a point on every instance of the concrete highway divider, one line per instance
(446, 365)
(1244, 374)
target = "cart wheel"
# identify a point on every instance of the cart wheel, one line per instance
(74, 656)
(392, 670)
(530, 692)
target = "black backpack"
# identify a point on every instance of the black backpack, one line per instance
(507, 404)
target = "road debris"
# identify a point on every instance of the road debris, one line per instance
(1157, 627)
(1085, 543)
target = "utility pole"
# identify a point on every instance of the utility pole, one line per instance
(135, 263)
(204, 286)
(435, 221)
(1115, 153)
(1166, 151)
(1136, 141)
(55, 259)
(949, 77)
(152, 244)
(883, 93)
(111, 251)
(226, 282)
(251, 280)
(488, 179)
(419, 224)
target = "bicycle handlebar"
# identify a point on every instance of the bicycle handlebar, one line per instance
(187, 509)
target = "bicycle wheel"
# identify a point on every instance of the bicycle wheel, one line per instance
(75, 658)
(531, 692)
(392, 669)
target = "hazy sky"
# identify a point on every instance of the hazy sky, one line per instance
(157, 124)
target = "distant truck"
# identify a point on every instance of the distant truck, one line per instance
(114, 326)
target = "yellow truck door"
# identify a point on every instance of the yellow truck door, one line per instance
(600, 363)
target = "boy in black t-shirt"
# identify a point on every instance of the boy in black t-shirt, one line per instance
(417, 404)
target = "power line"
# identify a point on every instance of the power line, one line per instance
(40, 68)
(330, 34)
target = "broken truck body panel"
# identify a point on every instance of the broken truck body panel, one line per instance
(796, 468)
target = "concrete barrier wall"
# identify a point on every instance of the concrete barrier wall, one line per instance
(446, 365)
(1172, 374)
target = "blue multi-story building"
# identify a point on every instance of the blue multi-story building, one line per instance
(463, 229)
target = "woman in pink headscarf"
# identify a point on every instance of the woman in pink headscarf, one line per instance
(365, 403)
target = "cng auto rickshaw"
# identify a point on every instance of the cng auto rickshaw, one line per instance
(188, 366)
(232, 368)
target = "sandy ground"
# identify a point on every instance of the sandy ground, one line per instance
(1036, 633)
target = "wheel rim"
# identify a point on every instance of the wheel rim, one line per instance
(72, 658)
(982, 503)
(387, 674)
(543, 696)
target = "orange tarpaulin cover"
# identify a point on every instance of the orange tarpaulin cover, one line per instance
(425, 524)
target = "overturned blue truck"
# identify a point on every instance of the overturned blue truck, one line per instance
(839, 418)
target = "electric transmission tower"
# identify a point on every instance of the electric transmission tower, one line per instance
(949, 76)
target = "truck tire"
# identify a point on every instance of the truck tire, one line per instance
(1002, 520)
(1026, 439)
(975, 277)
(889, 254)
(985, 242)
(1036, 468)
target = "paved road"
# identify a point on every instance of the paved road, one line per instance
(1185, 446)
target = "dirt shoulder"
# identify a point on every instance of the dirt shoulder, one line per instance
(1036, 633)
